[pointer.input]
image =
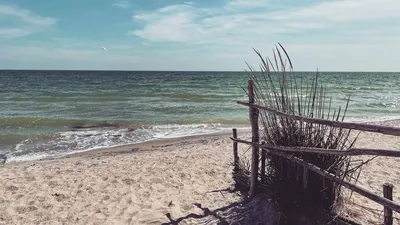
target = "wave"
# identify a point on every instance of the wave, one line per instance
(362, 88)
(188, 97)
(70, 99)
(69, 142)
(383, 105)
(88, 138)
(32, 122)
(79, 139)
(29, 122)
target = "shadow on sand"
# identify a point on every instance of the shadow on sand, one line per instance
(259, 210)
(247, 211)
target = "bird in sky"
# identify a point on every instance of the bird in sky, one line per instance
(104, 48)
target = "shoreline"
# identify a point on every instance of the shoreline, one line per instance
(120, 148)
(174, 140)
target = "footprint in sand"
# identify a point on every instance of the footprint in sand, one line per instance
(12, 188)
(52, 183)
(19, 197)
(128, 181)
(47, 206)
(59, 197)
(24, 209)
(41, 198)
(30, 178)
(90, 190)
(106, 198)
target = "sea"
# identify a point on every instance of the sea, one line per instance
(55, 113)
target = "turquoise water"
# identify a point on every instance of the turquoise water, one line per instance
(49, 113)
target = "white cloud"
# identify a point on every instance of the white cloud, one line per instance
(190, 24)
(25, 22)
(13, 32)
(26, 15)
(343, 11)
(173, 23)
(122, 4)
(247, 4)
(330, 34)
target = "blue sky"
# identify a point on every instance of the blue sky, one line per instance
(331, 35)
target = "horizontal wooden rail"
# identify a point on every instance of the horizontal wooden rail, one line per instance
(376, 198)
(350, 152)
(354, 126)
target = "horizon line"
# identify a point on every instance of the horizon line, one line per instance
(112, 70)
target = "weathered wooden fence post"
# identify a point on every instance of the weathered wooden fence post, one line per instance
(253, 114)
(263, 161)
(298, 175)
(305, 178)
(388, 213)
(235, 150)
(324, 189)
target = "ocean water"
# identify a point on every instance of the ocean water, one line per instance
(53, 113)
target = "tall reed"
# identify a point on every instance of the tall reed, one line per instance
(278, 87)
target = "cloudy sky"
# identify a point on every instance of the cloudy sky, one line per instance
(329, 35)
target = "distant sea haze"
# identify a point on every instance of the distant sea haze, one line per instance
(54, 113)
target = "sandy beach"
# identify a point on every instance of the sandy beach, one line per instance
(167, 181)
(127, 185)
(374, 174)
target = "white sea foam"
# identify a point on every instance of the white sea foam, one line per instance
(80, 140)
(70, 142)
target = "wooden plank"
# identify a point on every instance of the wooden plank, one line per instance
(350, 152)
(366, 193)
(253, 114)
(388, 213)
(235, 149)
(354, 126)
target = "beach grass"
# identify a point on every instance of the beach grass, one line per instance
(277, 87)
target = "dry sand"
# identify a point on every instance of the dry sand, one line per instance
(377, 172)
(146, 183)
(127, 185)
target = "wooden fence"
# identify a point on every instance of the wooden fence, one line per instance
(284, 152)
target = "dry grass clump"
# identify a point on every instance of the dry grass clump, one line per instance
(278, 88)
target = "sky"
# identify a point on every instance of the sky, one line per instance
(199, 35)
